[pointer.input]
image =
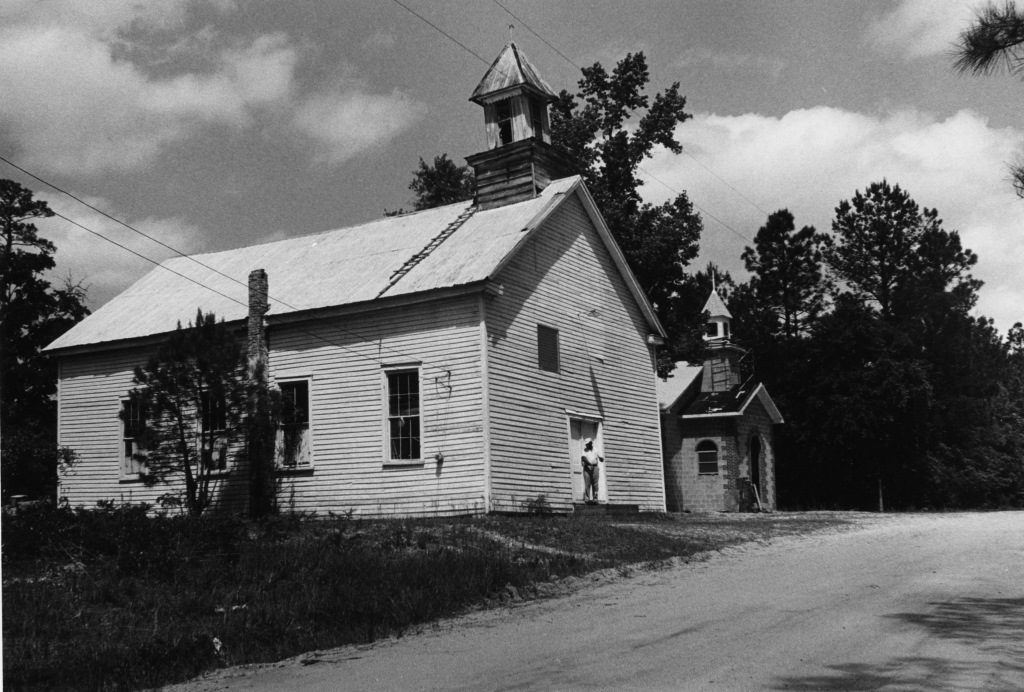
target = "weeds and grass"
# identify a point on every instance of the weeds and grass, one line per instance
(113, 599)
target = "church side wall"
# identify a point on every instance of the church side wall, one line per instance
(344, 361)
(565, 279)
(90, 390)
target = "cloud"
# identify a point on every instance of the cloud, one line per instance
(809, 160)
(73, 107)
(108, 85)
(731, 62)
(99, 265)
(349, 121)
(379, 40)
(921, 28)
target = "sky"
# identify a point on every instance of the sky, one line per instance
(216, 124)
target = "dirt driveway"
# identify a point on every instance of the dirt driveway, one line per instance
(910, 602)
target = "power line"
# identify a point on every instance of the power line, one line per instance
(702, 209)
(442, 31)
(148, 259)
(571, 62)
(188, 257)
(214, 290)
(726, 182)
(530, 29)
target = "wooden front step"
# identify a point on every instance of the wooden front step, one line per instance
(605, 508)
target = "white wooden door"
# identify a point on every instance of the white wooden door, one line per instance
(578, 430)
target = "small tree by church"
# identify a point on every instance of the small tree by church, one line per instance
(187, 409)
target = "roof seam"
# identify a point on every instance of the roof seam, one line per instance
(429, 248)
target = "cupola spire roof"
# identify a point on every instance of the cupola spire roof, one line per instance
(509, 70)
(715, 307)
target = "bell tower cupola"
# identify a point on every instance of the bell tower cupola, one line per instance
(519, 161)
(719, 325)
(721, 355)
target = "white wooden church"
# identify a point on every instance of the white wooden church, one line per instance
(448, 361)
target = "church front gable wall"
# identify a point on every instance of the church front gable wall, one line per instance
(707, 492)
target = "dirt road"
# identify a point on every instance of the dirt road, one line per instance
(920, 602)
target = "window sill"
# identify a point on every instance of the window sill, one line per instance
(219, 473)
(402, 463)
(131, 480)
(294, 470)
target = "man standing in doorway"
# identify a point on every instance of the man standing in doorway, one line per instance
(591, 471)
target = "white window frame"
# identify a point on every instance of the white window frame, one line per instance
(306, 460)
(138, 467)
(387, 417)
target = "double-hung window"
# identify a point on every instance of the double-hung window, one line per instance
(403, 415)
(707, 457)
(293, 448)
(133, 418)
(213, 443)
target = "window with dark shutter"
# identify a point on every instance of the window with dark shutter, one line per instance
(547, 348)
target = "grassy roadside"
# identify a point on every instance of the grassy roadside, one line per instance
(111, 599)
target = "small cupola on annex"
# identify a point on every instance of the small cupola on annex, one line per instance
(721, 355)
(519, 161)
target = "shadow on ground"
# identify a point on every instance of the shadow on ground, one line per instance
(991, 627)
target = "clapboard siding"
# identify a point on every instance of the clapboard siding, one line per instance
(345, 360)
(559, 279)
(90, 391)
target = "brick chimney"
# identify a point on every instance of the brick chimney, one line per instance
(520, 160)
(256, 338)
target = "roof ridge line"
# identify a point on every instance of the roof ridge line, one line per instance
(429, 248)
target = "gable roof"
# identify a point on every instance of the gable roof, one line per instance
(673, 386)
(442, 248)
(715, 306)
(511, 69)
(685, 398)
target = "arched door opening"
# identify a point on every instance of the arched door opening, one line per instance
(755, 461)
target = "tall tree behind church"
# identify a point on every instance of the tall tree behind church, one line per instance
(608, 128)
(32, 314)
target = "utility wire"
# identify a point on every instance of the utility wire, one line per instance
(530, 29)
(188, 257)
(726, 182)
(699, 162)
(573, 63)
(442, 32)
(214, 290)
(148, 259)
(702, 209)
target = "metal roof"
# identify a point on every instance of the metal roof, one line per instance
(434, 249)
(673, 386)
(716, 306)
(511, 69)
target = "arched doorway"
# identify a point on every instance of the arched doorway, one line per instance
(755, 461)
